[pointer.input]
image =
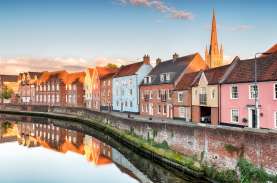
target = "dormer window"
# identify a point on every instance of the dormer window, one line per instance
(165, 77)
(147, 80)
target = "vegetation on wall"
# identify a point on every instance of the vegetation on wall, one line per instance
(6, 93)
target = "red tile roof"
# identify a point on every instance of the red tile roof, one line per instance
(105, 71)
(244, 70)
(47, 75)
(214, 75)
(73, 77)
(273, 49)
(128, 70)
(187, 80)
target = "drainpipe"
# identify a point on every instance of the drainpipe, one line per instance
(219, 104)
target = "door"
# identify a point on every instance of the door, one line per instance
(253, 118)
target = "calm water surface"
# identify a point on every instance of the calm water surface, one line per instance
(40, 150)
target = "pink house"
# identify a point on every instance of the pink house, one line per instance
(238, 93)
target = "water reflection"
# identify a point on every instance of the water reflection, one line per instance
(58, 136)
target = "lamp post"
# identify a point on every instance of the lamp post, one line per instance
(256, 83)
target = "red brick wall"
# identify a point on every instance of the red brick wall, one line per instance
(195, 114)
(155, 100)
(106, 92)
(214, 115)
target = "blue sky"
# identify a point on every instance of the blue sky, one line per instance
(119, 30)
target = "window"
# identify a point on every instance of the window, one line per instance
(126, 104)
(169, 94)
(234, 115)
(159, 109)
(165, 109)
(130, 91)
(167, 76)
(234, 92)
(213, 93)
(58, 87)
(180, 96)
(254, 92)
(183, 113)
(275, 91)
(150, 94)
(131, 104)
(159, 94)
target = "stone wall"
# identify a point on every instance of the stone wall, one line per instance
(216, 145)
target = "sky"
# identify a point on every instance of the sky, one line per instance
(41, 35)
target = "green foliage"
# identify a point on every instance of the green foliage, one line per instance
(228, 176)
(6, 93)
(163, 145)
(250, 173)
(112, 66)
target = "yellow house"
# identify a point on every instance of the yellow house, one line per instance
(205, 96)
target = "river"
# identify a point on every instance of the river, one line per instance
(43, 150)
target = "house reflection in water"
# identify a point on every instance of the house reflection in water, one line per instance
(64, 140)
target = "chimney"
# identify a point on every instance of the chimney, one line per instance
(158, 61)
(175, 56)
(146, 59)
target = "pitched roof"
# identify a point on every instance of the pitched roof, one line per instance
(47, 75)
(76, 76)
(273, 49)
(244, 70)
(128, 70)
(214, 75)
(175, 67)
(105, 71)
(9, 78)
(187, 80)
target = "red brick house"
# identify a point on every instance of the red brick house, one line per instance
(74, 89)
(101, 87)
(182, 96)
(9, 82)
(51, 88)
(156, 91)
(26, 88)
(106, 91)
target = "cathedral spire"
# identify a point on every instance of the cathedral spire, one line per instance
(214, 57)
(214, 43)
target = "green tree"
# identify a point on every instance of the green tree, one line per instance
(6, 93)
(112, 66)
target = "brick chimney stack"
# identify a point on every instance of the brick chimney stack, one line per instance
(158, 61)
(175, 56)
(146, 59)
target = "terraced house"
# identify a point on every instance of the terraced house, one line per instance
(74, 89)
(156, 91)
(101, 88)
(125, 85)
(27, 86)
(239, 93)
(88, 85)
(206, 95)
(51, 88)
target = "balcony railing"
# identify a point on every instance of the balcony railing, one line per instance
(203, 99)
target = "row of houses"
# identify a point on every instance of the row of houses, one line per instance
(189, 88)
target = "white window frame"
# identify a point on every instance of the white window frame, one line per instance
(231, 112)
(231, 92)
(275, 91)
(178, 96)
(249, 94)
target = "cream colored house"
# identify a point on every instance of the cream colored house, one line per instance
(88, 86)
(205, 96)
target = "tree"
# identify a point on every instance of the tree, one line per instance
(112, 66)
(6, 93)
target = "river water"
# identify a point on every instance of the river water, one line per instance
(42, 150)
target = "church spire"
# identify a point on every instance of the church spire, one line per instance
(214, 43)
(214, 57)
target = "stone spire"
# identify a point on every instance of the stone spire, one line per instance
(214, 57)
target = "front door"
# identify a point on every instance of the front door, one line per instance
(253, 118)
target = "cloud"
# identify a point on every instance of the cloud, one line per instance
(23, 64)
(241, 28)
(161, 7)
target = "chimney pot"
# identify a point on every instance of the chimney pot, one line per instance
(158, 61)
(146, 59)
(175, 56)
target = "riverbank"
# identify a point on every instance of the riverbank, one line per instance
(148, 147)
(157, 152)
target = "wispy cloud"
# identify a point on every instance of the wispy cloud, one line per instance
(161, 7)
(241, 28)
(23, 64)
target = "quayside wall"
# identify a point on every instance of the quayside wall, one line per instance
(218, 146)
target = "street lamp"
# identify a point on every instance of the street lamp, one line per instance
(256, 83)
